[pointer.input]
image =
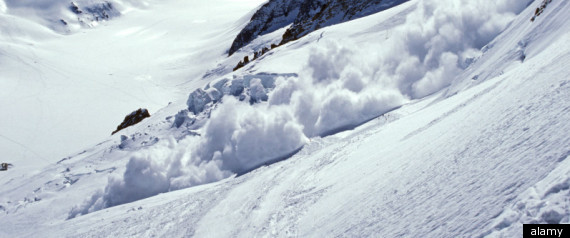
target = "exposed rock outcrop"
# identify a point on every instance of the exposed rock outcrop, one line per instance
(132, 119)
(305, 16)
(93, 12)
(271, 16)
(316, 14)
(540, 9)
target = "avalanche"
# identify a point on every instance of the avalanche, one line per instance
(428, 119)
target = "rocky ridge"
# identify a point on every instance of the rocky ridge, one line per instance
(304, 17)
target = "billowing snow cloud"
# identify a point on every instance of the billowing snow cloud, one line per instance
(238, 137)
(439, 40)
(244, 136)
(340, 87)
(343, 87)
(336, 91)
(164, 167)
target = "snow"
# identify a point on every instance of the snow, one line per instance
(421, 121)
(61, 93)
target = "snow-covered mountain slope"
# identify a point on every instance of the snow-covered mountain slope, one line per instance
(61, 93)
(476, 147)
(69, 16)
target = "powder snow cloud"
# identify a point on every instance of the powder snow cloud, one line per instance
(340, 87)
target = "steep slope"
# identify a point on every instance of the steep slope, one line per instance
(271, 16)
(304, 16)
(459, 162)
(436, 168)
(318, 14)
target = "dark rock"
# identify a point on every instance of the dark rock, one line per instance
(273, 15)
(316, 14)
(242, 63)
(74, 8)
(4, 166)
(94, 11)
(305, 16)
(540, 9)
(239, 65)
(102, 11)
(132, 119)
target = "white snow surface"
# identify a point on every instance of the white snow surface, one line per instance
(431, 119)
(60, 93)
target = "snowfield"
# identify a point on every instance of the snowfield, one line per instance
(429, 119)
(61, 93)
